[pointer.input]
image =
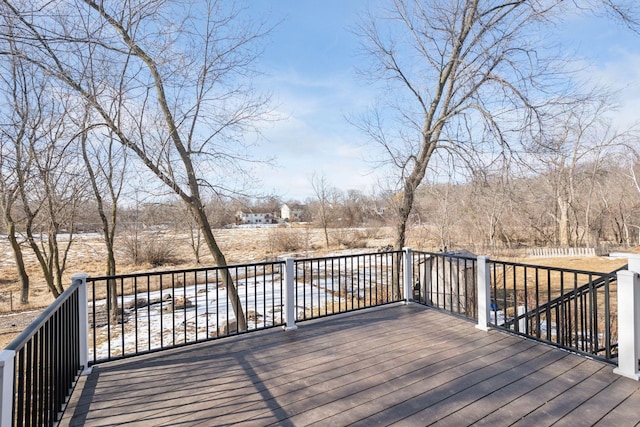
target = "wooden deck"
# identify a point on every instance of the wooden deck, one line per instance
(400, 364)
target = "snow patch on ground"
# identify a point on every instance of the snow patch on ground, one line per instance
(156, 325)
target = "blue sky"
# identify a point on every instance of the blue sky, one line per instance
(309, 65)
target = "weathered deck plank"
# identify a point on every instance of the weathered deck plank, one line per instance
(401, 365)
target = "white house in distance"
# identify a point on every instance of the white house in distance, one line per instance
(291, 212)
(255, 218)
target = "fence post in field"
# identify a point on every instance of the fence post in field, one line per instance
(484, 292)
(83, 321)
(408, 275)
(289, 296)
(7, 358)
(628, 324)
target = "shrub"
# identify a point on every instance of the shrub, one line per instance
(148, 249)
(350, 238)
(287, 240)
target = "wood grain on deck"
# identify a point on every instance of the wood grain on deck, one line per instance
(403, 365)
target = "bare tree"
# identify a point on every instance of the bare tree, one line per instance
(623, 186)
(105, 162)
(465, 76)
(54, 193)
(50, 195)
(354, 208)
(18, 119)
(42, 189)
(326, 197)
(180, 75)
(580, 135)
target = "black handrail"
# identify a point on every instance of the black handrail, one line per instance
(124, 305)
(47, 361)
(29, 331)
(567, 297)
(189, 305)
(337, 284)
(556, 309)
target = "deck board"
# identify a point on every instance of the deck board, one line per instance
(395, 365)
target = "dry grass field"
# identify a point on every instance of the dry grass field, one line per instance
(240, 245)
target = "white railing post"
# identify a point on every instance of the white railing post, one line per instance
(484, 292)
(522, 323)
(289, 296)
(7, 358)
(425, 271)
(83, 321)
(408, 274)
(628, 324)
(634, 262)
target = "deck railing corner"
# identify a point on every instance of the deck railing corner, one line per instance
(408, 274)
(83, 321)
(289, 295)
(6, 387)
(484, 292)
(629, 323)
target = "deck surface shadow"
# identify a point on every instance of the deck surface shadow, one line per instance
(393, 365)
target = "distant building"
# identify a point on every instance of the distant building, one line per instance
(292, 212)
(243, 217)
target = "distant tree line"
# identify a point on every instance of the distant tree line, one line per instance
(509, 211)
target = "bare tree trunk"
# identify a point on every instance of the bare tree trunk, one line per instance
(324, 193)
(108, 227)
(563, 222)
(411, 183)
(195, 236)
(20, 265)
(44, 265)
(403, 217)
(220, 260)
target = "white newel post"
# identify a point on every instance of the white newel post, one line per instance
(408, 275)
(522, 323)
(83, 321)
(634, 262)
(628, 324)
(7, 358)
(484, 292)
(289, 296)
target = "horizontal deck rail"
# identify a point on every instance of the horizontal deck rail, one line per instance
(338, 284)
(41, 366)
(134, 314)
(141, 313)
(106, 318)
(568, 308)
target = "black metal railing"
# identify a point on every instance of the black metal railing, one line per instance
(337, 284)
(447, 281)
(47, 362)
(140, 313)
(571, 309)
